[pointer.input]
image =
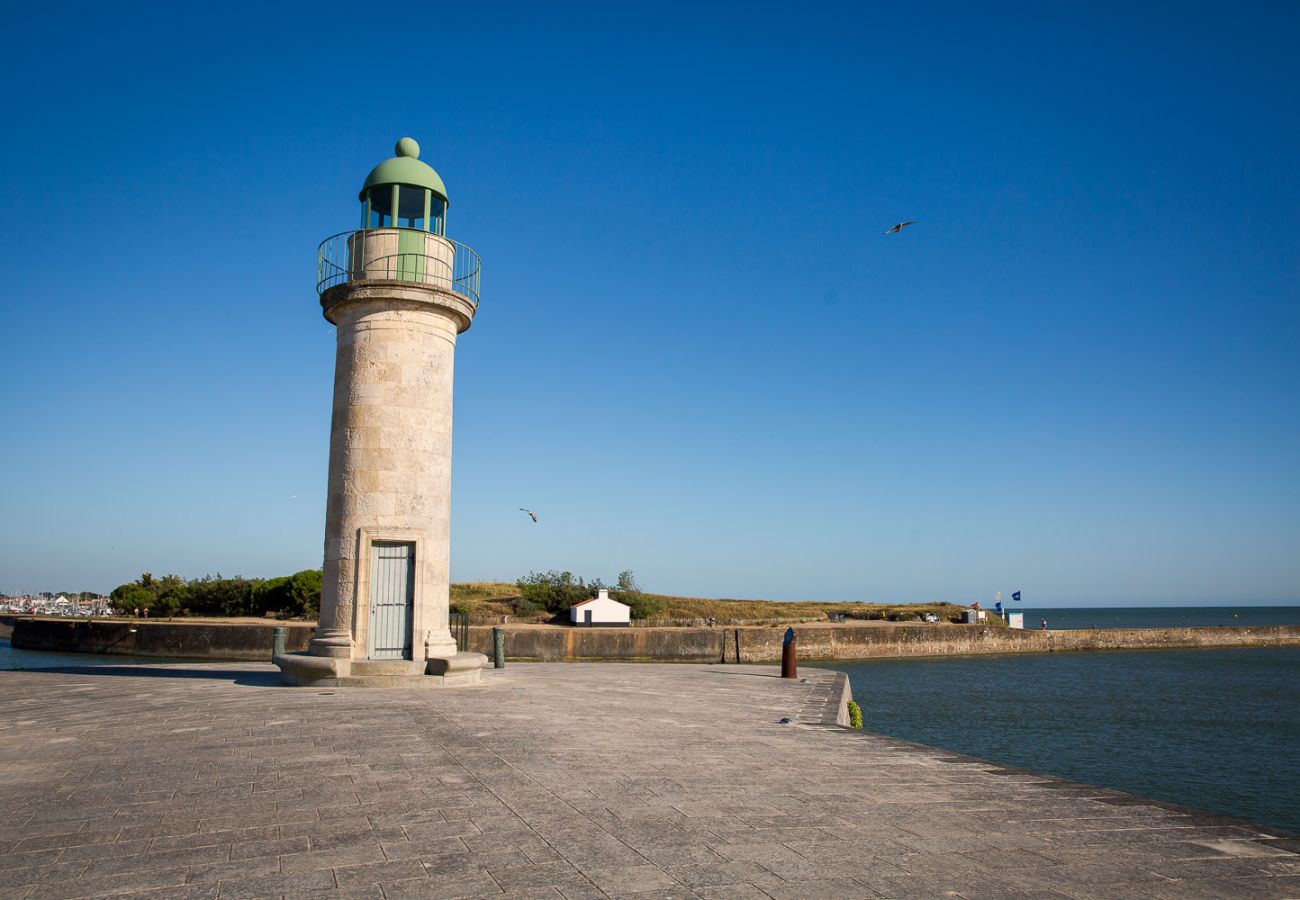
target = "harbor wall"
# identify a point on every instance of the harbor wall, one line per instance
(253, 641)
(189, 640)
(763, 645)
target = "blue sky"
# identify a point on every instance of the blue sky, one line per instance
(696, 355)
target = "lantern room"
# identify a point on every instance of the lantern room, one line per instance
(404, 192)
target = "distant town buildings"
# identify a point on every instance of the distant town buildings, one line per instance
(48, 604)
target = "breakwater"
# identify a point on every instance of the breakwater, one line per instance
(763, 645)
(193, 640)
(252, 641)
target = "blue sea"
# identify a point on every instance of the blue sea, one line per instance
(11, 658)
(1160, 616)
(1217, 730)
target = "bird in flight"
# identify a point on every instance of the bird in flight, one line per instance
(532, 515)
(899, 227)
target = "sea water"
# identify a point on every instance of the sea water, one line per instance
(13, 658)
(1217, 730)
(1160, 616)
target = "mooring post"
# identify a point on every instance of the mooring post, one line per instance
(789, 663)
(277, 641)
(498, 647)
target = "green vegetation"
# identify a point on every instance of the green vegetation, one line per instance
(539, 595)
(536, 597)
(644, 606)
(294, 596)
(553, 592)
(855, 715)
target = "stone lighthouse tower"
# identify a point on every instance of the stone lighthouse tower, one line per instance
(399, 293)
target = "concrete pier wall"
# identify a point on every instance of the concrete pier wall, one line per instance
(763, 645)
(190, 640)
(247, 641)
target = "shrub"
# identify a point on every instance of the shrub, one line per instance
(522, 606)
(554, 591)
(855, 715)
(628, 591)
(304, 593)
(213, 595)
(131, 597)
(269, 595)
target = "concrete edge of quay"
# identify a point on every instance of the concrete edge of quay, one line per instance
(721, 774)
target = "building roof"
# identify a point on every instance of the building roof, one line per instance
(594, 599)
(405, 168)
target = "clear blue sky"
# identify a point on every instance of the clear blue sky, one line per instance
(696, 355)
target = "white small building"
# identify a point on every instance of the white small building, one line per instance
(601, 611)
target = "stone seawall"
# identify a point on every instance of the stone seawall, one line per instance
(248, 641)
(763, 645)
(190, 640)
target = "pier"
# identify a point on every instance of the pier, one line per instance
(560, 781)
(252, 640)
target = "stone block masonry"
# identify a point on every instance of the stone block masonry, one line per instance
(852, 641)
(559, 781)
(216, 640)
(141, 637)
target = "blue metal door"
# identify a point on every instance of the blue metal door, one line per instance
(392, 597)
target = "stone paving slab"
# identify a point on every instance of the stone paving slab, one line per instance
(555, 781)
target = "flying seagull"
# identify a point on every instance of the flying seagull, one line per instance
(899, 227)
(531, 514)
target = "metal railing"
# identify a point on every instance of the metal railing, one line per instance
(384, 254)
(459, 623)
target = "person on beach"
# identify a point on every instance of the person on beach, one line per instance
(1043, 625)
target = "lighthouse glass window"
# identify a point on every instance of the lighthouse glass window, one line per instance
(437, 215)
(410, 209)
(380, 200)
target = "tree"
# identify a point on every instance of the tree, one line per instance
(629, 592)
(271, 595)
(304, 589)
(171, 596)
(171, 603)
(296, 595)
(553, 591)
(213, 595)
(130, 597)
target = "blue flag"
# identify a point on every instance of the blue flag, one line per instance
(1016, 596)
(998, 606)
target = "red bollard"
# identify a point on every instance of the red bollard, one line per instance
(789, 662)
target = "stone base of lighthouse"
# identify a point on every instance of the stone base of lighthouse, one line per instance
(306, 670)
(384, 598)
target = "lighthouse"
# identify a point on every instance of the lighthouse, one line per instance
(399, 293)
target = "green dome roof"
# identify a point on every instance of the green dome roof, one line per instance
(405, 168)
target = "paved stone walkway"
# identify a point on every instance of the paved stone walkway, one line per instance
(555, 781)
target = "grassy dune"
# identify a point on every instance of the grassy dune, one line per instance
(487, 598)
